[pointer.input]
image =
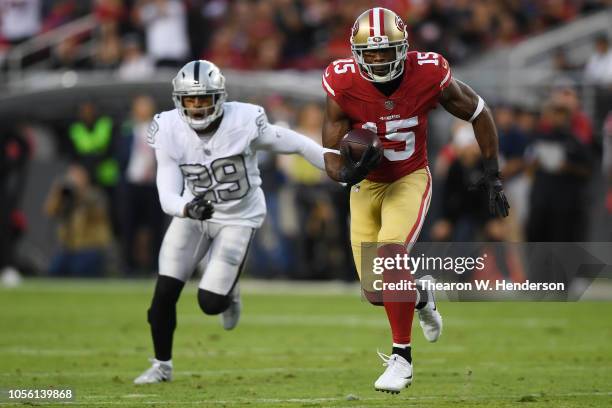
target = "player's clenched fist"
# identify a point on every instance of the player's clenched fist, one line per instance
(362, 152)
(357, 170)
(199, 209)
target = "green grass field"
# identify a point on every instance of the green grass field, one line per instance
(303, 350)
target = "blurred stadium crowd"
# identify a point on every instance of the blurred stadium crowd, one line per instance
(267, 34)
(554, 155)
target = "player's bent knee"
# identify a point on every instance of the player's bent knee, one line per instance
(212, 303)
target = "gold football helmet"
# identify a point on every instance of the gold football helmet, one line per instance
(376, 29)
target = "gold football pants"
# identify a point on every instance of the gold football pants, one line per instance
(389, 212)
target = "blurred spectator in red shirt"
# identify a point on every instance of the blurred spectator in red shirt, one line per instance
(61, 12)
(224, 51)
(565, 95)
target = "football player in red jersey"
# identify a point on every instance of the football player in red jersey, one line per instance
(390, 91)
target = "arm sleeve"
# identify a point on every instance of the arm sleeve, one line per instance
(278, 139)
(445, 73)
(170, 185)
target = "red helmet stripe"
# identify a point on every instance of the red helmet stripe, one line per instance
(381, 16)
(371, 15)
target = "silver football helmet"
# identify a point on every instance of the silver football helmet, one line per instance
(198, 78)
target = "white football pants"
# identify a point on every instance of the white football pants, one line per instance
(221, 249)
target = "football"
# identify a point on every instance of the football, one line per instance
(358, 140)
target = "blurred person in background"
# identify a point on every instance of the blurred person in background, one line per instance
(512, 140)
(564, 94)
(465, 216)
(135, 65)
(598, 69)
(93, 147)
(563, 67)
(527, 122)
(92, 142)
(14, 155)
(142, 217)
(67, 55)
(107, 50)
(560, 162)
(165, 25)
(598, 73)
(20, 20)
(512, 144)
(83, 226)
(271, 254)
(110, 14)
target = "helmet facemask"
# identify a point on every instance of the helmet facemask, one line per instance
(208, 113)
(395, 67)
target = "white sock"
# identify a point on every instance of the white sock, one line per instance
(403, 346)
(166, 363)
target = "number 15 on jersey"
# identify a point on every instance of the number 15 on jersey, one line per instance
(397, 131)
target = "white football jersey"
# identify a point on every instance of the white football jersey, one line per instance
(222, 168)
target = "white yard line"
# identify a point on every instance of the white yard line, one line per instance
(130, 399)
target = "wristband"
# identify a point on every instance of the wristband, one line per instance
(479, 109)
(491, 166)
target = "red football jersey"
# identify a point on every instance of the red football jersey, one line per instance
(400, 120)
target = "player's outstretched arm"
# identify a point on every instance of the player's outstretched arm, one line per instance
(170, 185)
(461, 101)
(279, 139)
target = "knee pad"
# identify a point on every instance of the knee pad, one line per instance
(162, 312)
(212, 303)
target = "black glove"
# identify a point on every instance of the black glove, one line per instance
(355, 171)
(199, 209)
(491, 183)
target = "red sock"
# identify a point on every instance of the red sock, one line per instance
(399, 305)
(400, 316)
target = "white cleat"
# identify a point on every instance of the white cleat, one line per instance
(158, 372)
(231, 316)
(396, 377)
(429, 316)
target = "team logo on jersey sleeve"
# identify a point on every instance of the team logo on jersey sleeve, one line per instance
(152, 131)
(262, 123)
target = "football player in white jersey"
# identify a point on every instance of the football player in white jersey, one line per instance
(208, 180)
